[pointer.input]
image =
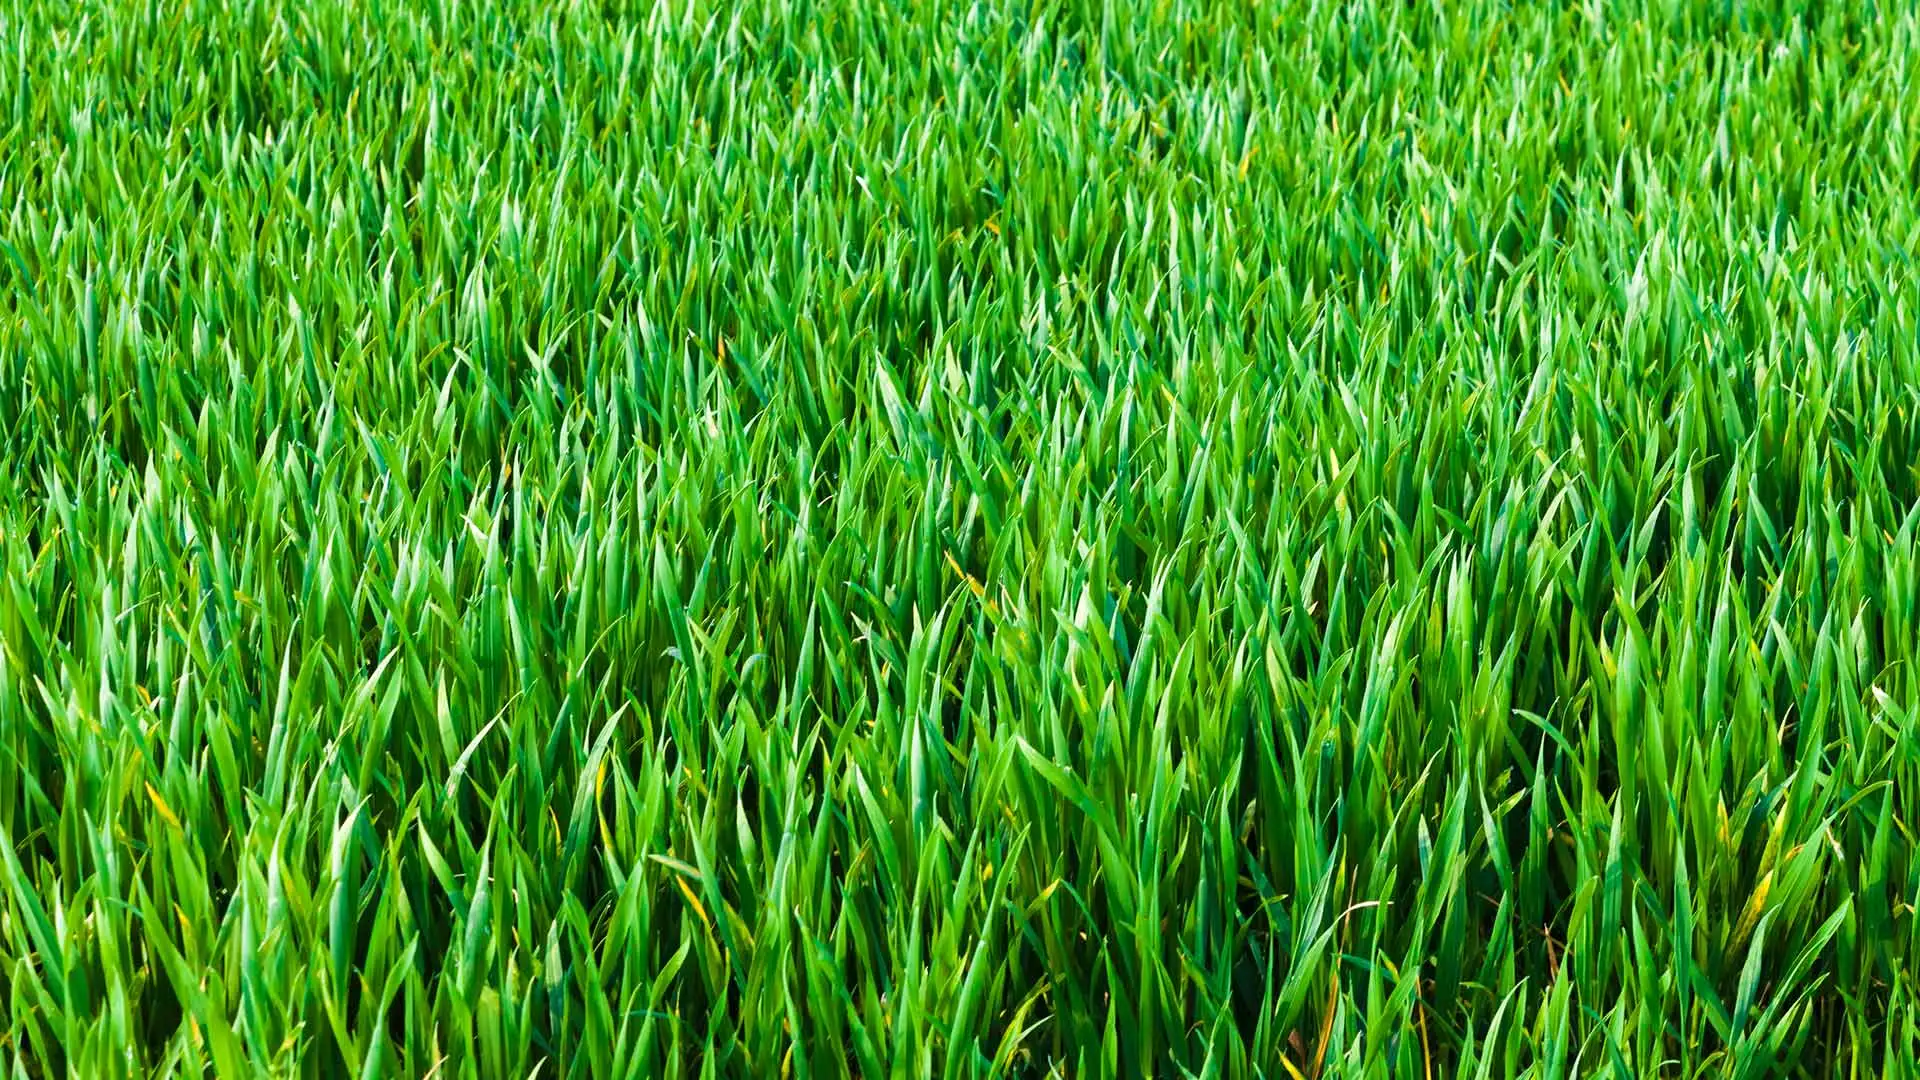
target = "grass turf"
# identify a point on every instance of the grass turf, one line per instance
(818, 538)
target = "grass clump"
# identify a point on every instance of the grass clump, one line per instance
(819, 539)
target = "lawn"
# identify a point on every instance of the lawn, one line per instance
(896, 538)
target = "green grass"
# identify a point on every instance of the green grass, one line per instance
(830, 538)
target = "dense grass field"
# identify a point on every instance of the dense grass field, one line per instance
(868, 538)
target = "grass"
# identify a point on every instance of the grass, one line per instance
(813, 538)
